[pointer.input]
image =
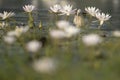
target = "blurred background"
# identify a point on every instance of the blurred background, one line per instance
(108, 6)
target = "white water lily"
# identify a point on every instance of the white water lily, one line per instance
(3, 24)
(57, 34)
(9, 39)
(116, 33)
(45, 65)
(6, 15)
(63, 24)
(91, 39)
(33, 46)
(65, 30)
(92, 11)
(102, 17)
(67, 10)
(28, 8)
(56, 8)
(19, 30)
(71, 31)
(22, 29)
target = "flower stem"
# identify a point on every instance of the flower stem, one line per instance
(30, 21)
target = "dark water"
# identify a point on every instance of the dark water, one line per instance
(108, 6)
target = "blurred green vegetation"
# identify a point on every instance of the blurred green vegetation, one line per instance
(76, 61)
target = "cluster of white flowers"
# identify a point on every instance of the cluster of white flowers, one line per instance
(68, 10)
(95, 12)
(63, 10)
(11, 35)
(65, 30)
(19, 30)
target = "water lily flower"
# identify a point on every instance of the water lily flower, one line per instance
(9, 39)
(62, 24)
(91, 39)
(71, 31)
(33, 46)
(57, 34)
(116, 33)
(45, 65)
(56, 8)
(18, 31)
(65, 30)
(67, 10)
(6, 15)
(102, 17)
(3, 24)
(92, 11)
(28, 8)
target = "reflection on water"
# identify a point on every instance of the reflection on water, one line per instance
(110, 6)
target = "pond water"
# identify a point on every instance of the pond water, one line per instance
(108, 6)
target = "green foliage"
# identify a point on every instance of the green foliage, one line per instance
(76, 61)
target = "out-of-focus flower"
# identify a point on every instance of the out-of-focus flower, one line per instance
(92, 10)
(67, 10)
(9, 39)
(6, 15)
(33, 46)
(28, 8)
(57, 34)
(11, 33)
(71, 31)
(20, 30)
(45, 65)
(91, 39)
(102, 17)
(116, 33)
(56, 8)
(62, 24)
(66, 30)
(3, 24)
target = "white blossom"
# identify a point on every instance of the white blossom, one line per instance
(92, 10)
(6, 15)
(91, 39)
(57, 34)
(116, 33)
(67, 10)
(45, 65)
(55, 8)
(102, 17)
(3, 24)
(9, 39)
(33, 46)
(62, 24)
(71, 31)
(28, 8)
(19, 30)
